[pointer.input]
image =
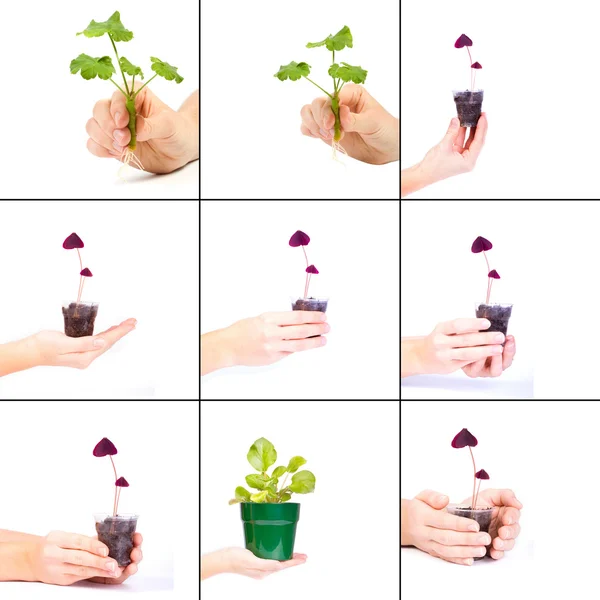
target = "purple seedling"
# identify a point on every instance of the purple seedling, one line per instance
(475, 66)
(481, 245)
(301, 239)
(106, 448)
(74, 241)
(481, 474)
(465, 438)
(464, 41)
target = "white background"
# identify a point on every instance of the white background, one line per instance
(441, 280)
(248, 268)
(44, 154)
(350, 534)
(542, 140)
(251, 145)
(51, 481)
(144, 258)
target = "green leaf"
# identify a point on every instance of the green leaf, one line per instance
(113, 27)
(272, 493)
(258, 482)
(303, 482)
(234, 501)
(286, 497)
(92, 67)
(338, 41)
(294, 71)
(242, 494)
(295, 463)
(262, 453)
(259, 496)
(278, 472)
(130, 69)
(167, 71)
(348, 73)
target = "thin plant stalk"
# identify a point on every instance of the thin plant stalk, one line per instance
(115, 502)
(474, 477)
(307, 275)
(487, 298)
(470, 63)
(477, 495)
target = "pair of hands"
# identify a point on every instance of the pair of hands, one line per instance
(460, 344)
(456, 539)
(63, 558)
(369, 132)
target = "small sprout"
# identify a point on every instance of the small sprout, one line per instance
(481, 245)
(493, 274)
(74, 241)
(462, 439)
(312, 269)
(464, 41)
(106, 448)
(481, 474)
(301, 239)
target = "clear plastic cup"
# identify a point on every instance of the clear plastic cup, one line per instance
(497, 314)
(117, 533)
(319, 304)
(468, 106)
(79, 318)
(483, 516)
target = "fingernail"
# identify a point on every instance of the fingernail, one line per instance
(496, 350)
(110, 566)
(103, 551)
(468, 561)
(499, 544)
(117, 147)
(481, 551)
(509, 521)
(499, 337)
(99, 343)
(331, 132)
(117, 117)
(484, 539)
(485, 323)
(119, 135)
(323, 341)
(327, 328)
(323, 133)
(442, 499)
(474, 527)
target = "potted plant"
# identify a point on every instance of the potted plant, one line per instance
(79, 316)
(469, 101)
(304, 302)
(483, 515)
(115, 531)
(269, 517)
(497, 314)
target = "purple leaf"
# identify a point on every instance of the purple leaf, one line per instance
(73, 241)
(482, 474)
(462, 41)
(104, 447)
(464, 438)
(493, 273)
(299, 239)
(476, 65)
(122, 482)
(312, 269)
(86, 273)
(481, 244)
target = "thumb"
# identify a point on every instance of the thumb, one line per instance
(82, 344)
(159, 126)
(364, 122)
(452, 132)
(434, 499)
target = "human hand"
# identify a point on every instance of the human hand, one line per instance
(131, 569)
(63, 558)
(243, 562)
(493, 366)
(435, 531)
(505, 527)
(452, 156)
(453, 345)
(166, 139)
(272, 336)
(55, 349)
(369, 132)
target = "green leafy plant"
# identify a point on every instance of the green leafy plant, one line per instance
(102, 67)
(262, 455)
(341, 73)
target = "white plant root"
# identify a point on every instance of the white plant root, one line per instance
(127, 156)
(335, 148)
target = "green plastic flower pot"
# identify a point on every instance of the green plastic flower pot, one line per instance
(270, 529)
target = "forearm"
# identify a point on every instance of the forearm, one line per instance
(409, 356)
(18, 356)
(212, 564)
(404, 537)
(190, 109)
(215, 351)
(14, 561)
(17, 536)
(412, 180)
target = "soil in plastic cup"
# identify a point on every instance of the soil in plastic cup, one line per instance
(315, 304)
(482, 515)
(468, 106)
(117, 533)
(497, 314)
(79, 318)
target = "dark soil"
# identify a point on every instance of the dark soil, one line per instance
(310, 304)
(498, 316)
(117, 534)
(79, 319)
(482, 516)
(468, 107)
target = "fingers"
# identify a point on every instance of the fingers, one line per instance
(510, 348)
(300, 345)
(137, 537)
(74, 541)
(103, 129)
(433, 499)
(451, 136)
(476, 369)
(447, 537)
(473, 339)
(503, 545)
(511, 516)
(444, 520)
(300, 332)
(159, 126)
(104, 566)
(98, 150)
(507, 533)
(294, 317)
(309, 120)
(118, 111)
(321, 109)
(364, 123)
(457, 551)
(475, 146)
(502, 498)
(496, 366)
(306, 131)
(496, 554)
(113, 335)
(462, 326)
(298, 559)
(475, 353)
(82, 344)
(98, 134)
(460, 139)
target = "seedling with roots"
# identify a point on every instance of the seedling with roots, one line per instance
(464, 41)
(103, 67)
(481, 245)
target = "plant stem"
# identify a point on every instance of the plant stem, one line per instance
(124, 94)
(474, 478)
(306, 284)
(476, 495)
(488, 270)
(470, 63)
(147, 82)
(132, 82)
(115, 502)
(305, 77)
(124, 80)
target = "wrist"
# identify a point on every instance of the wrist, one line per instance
(191, 129)
(413, 179)
(411, 356)
(405, 537)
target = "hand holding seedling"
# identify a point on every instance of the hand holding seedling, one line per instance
(493, 366)
(131, 569)
(369, 133)
(505, 519)
(426, 525)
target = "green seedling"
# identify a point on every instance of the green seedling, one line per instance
(262, 455)
(341, 73)
(103, 67)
